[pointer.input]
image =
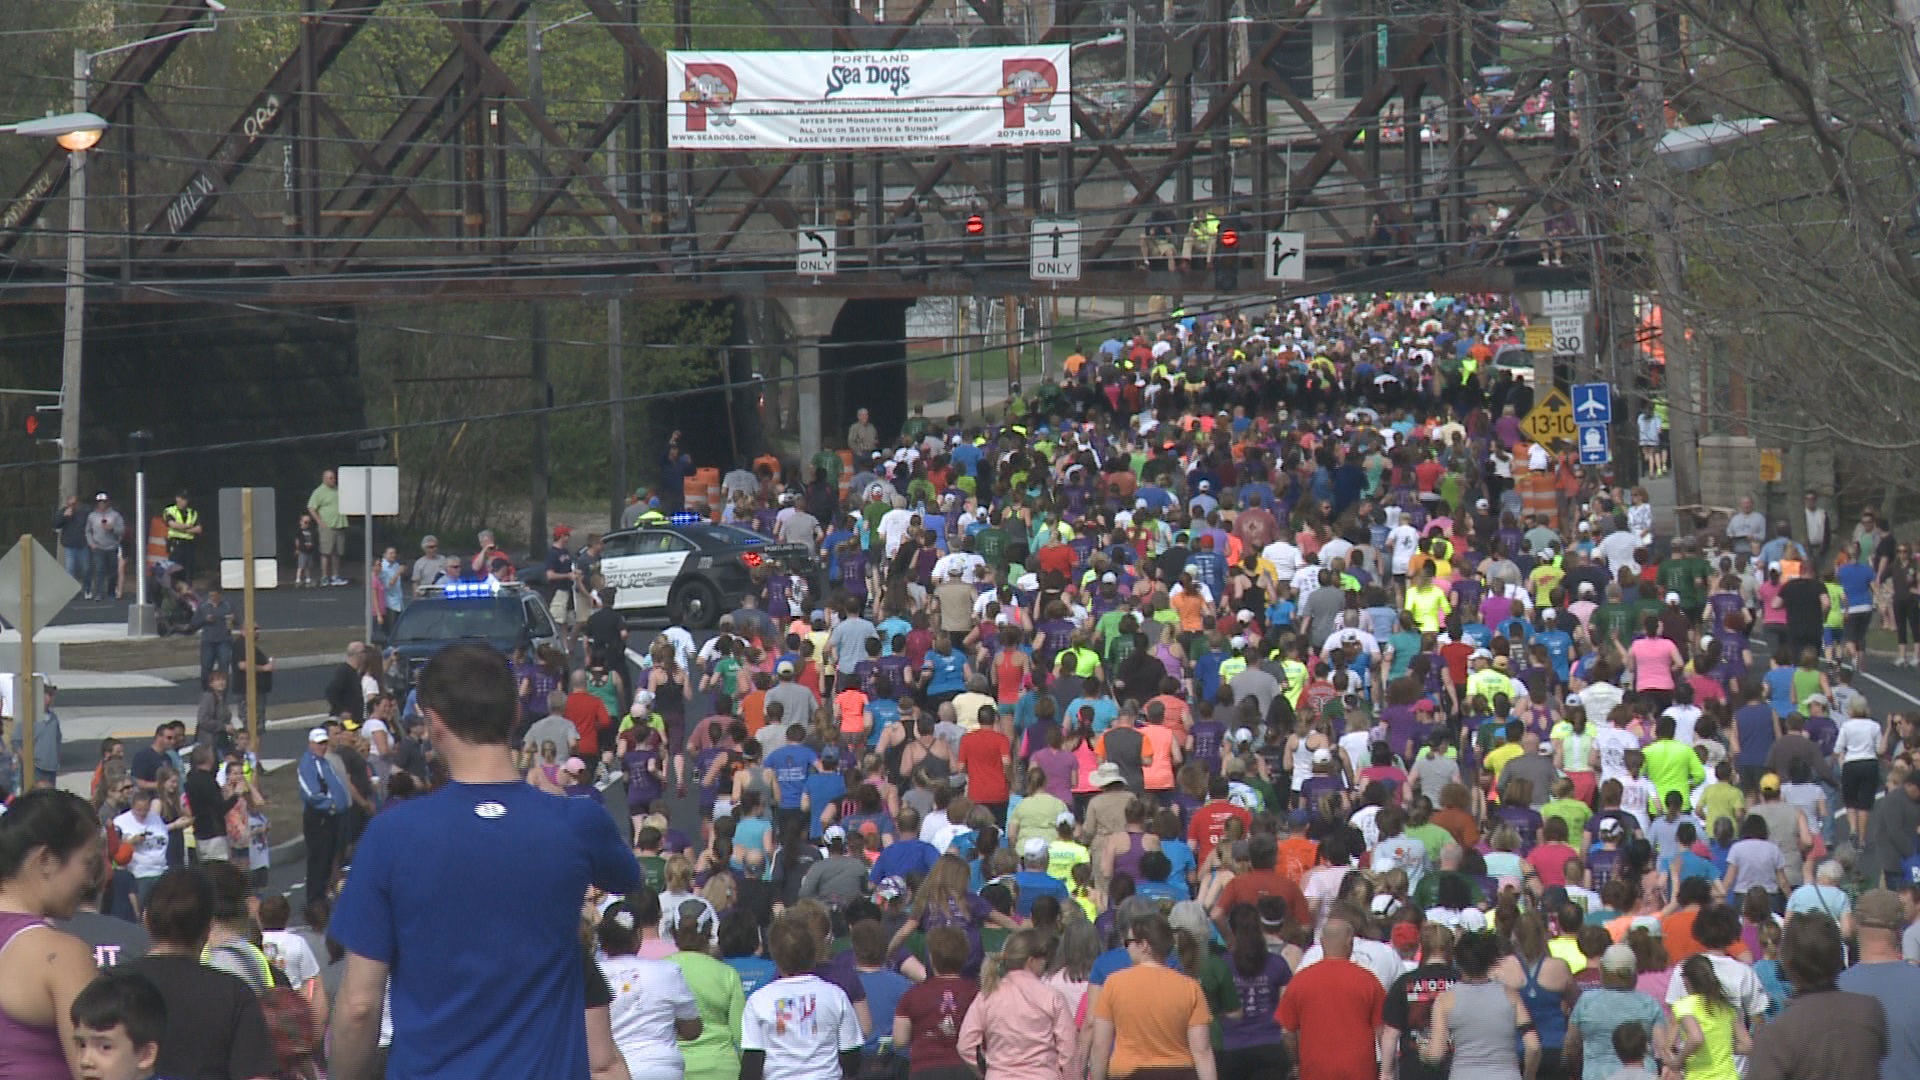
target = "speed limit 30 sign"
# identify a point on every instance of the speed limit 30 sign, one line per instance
(1569, 335)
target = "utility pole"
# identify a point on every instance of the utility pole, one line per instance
(73, 336)
(1670, 271)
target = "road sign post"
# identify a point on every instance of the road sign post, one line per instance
(1286, 256)
(367, 490)
(27, 709)
(246, 615)
(1053, 250)
(33, 589)
(816, 253)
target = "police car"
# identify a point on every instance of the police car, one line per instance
(690, 570)
(488, 612)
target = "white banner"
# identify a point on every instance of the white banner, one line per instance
(909, 99)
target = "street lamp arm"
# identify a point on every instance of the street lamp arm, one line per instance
(213, 23)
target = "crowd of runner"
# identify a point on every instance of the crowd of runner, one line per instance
(1255, 701)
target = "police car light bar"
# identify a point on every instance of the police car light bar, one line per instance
(684, 517)
(467, 590)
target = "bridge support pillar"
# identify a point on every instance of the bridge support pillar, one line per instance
(812, 320)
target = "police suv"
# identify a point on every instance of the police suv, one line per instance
(690, 570)
(488, 612)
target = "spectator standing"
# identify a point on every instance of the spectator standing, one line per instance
(183, 533)
(324, 505)
(70, 526)
(324, 803)
(214, 619)
(47, 741)
(106, 530)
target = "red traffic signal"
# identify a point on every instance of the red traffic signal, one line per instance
(33, 424)
(976, 225)
(1230, 239)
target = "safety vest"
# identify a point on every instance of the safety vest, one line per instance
(179, 521)
(651, 517)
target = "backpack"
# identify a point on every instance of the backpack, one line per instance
(292, 1029)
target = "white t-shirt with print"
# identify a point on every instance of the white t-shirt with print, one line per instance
(148, 836)
(648, 996)
(802, 1023)
(290, 953)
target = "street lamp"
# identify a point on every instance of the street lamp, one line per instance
(77, 132)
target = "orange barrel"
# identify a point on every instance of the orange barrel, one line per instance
(846, 474)
(156, 540)
(694, 494)
(710, 479)
(1537, 496)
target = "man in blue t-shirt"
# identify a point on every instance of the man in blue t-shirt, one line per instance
(441, 882)
(908, 854)
(790, 765)
(823, 791)
(1032, 880)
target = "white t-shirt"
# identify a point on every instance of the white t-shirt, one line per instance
(1684, 719)
(1285, 558)
(1376, 956)
(893, 527)
(1859, 740)
(802, 1023)
(291, 954)
(1336, 548)
(1614, 743)
(148, 836)
(1741, 985)
(1463, 920)
(648, 996)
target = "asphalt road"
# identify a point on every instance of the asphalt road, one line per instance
(278, 609)
(132, 713)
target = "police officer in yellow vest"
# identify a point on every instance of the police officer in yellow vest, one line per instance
(1202, 235)
(183, 533)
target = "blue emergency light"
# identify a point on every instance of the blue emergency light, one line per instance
(468, 590)
(684, 517)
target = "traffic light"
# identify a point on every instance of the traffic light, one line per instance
(43, 423)
(973, 240)
(906, 246)
(1226, 258)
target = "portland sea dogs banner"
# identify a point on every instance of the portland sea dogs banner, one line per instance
(898, 99)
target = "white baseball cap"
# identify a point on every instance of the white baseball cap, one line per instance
(1033, 847)
(318, 734)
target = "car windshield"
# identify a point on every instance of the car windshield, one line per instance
(711, 535)
(491, 618)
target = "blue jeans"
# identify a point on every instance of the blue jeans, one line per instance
(75, 560)
(103, 578)
(216, 655)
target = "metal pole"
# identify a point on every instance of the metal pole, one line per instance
(543, 400)
(246, 613)
(1670, 273)
(616, 411)
(140, 535)
(23, 688)
(367, 491)
(76, 297)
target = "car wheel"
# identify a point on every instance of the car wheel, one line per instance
(696, 605)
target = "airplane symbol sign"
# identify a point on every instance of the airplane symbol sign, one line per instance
(1593, 403)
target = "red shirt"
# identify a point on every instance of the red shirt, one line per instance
(1428, 473)
(588, 714)
(1249, 887)
(1550, 862)
(1334, 1006)
(935, 1008)
(1455, 655)
(1210, 824)
(1058, 558)
(983, 757)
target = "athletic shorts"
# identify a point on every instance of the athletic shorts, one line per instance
(333, 542)
(1856, 626)
(1859, 784)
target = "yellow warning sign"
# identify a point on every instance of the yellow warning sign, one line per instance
(1551, 420)
(1540, 338)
